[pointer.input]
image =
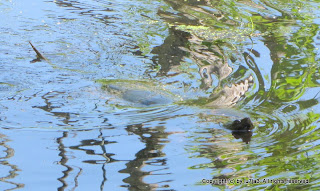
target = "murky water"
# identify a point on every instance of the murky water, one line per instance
(137, 95)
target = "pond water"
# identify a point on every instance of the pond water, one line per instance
(137, 95)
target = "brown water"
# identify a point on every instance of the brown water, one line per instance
(211, 61)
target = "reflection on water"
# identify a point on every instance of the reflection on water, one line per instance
(203, 64)
(9, 171)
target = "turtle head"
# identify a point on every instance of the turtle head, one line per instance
(244, 124)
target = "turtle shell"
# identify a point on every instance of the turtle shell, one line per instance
(138, 93)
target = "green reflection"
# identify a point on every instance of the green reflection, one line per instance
(234, 35)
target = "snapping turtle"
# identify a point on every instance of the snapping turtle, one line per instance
(138, 93)
(132, 93)
(244, 124)
(241, 129)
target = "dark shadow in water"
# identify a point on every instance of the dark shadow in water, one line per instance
(227, 87)
(9, 152)
(170, 54)
(107, 156)
(63, 162)
(150, 155)
(244, 135)
(87, 9)
(108, 159)
(84, 144)
(49, 106)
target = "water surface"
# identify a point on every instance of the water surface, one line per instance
(212, 62)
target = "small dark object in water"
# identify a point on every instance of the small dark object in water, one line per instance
(244, 125)
(241, 129)
(39, 55)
